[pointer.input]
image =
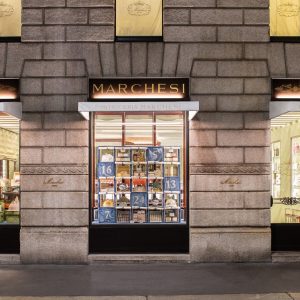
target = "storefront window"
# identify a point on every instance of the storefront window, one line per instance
(285, 135)
(9, 170)
(139, 168)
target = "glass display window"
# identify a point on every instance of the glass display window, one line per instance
(9, 170)
(140, 178)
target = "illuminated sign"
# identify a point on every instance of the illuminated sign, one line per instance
(9, 89)
(139, 18)
(139, 89)
(284, 18)
(10, 18)
(285, 89)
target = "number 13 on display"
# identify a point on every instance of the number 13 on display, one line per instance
(172, 184)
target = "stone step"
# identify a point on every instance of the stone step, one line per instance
(285, 256)
(137, 258)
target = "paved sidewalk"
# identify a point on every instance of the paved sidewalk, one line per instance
(225, 280)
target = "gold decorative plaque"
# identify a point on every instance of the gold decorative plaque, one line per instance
(10, 18)
(138, 18)
(285, 18)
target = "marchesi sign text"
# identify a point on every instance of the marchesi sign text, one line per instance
(139, 89)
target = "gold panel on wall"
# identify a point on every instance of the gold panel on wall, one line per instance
(285, 18)
(10, 18)
(138, 18)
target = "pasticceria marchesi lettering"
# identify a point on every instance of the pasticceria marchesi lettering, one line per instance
(154, 88)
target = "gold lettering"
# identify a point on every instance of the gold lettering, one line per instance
(110, 89)
(161, 88)
(133, 88)
(97, 89)
(152, 88)
(123, 87)
(183, 88)
(174, 88)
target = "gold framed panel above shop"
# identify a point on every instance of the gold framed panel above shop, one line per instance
(139, 20)
(10, 20)
(285, 20)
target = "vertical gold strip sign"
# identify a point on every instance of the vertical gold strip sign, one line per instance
(285, 18)
(136, 18)
(10, 18)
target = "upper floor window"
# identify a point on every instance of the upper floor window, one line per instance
(284, 19)
(139, 19)
(10, 19)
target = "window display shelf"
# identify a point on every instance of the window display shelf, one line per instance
(124, 197)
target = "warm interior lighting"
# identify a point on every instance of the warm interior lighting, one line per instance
(8, 96)
(144, 96)
(287, 96)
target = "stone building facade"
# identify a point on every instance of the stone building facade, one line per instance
(223, 46)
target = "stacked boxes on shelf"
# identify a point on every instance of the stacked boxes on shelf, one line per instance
(138, 185)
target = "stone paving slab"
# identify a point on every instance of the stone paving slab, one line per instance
(277, 296)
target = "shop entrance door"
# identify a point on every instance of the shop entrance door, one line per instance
(285, 201)
(139, 187)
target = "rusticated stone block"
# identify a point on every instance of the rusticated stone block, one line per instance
(31, 156)
(257, 86)
(89, 3)
(32, 16)
(139, 59)
(229, 200)
(86, 51)
(215, 155)
(206, 103)
(17, 53)
(107, 54)
(155, 58)
(44, 3)
(274, 52)
(217, 86)
(123, 59)
(243, 34)
(53, 183)
(257, 121)
(292, 59)
(230, 217)
(170, 59)
(190, 34)
(204, 69)
(210, 120)
(31, 121)
(243, 138)
(56, 200)
(43, 138)
(257, 155)
(101, 16)
(72, 102)
(190, 3)
(230, 245)
(216, 16)
(31, 86)
(234, 183)
(54, 245)
(176, 16)
(242, 69)
(65, 121)
(243, 3)
(76, 68)
(43, 34)
(207, 138)
(43, 103)
(44, 68)
(66, 155)
(66, 16)
(65, 86)
(243, 103)
(90, 33)
(55, 217)
(77, 138)
(256, 16)
(2, 58)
